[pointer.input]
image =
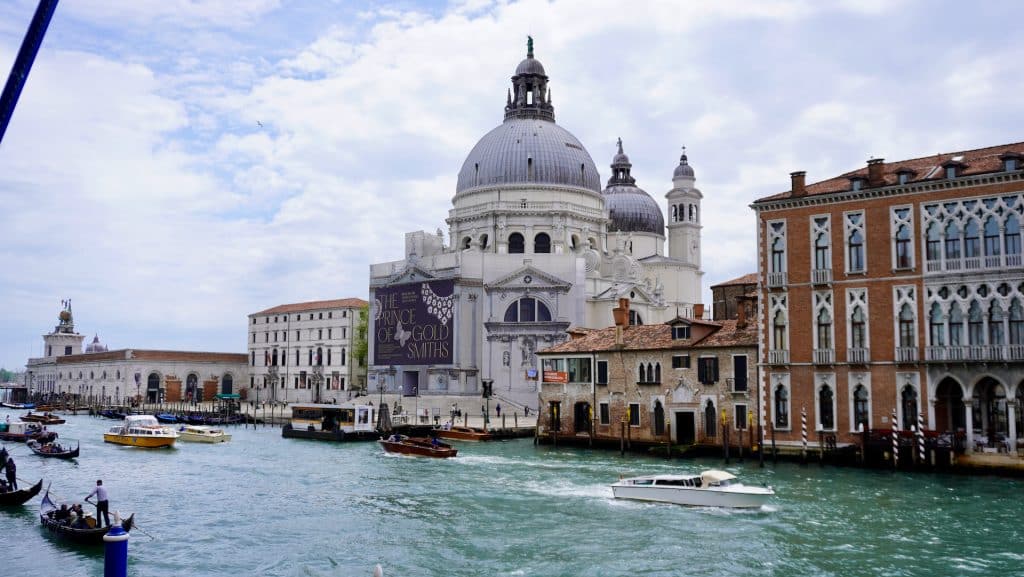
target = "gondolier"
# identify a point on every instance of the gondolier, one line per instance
(102, 503)
(12, 474)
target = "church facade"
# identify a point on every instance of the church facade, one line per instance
(535, 246)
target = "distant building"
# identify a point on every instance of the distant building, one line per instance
(102, 375)
(897, 289)
(302, 352)
(652, 383)
(726, 296)
(534, 246)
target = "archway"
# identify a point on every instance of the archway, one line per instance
(709, 420)
(153, 388)
(659, 419)
(950, 413)
(581, 417)
(226, 384)
(191, 386)
(990, 411)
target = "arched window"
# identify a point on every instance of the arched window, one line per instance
(903, 257)
(516, 244)
(466, 243)
(933, 243)
(907, 328)
(1012, 233)
(542, 243)
(483, 241)
(779, 331)
(936, 328)
(860, 406)
(643, 374)
(858, 329)
(972, 240)
(574, 242)
(909, 403)
(956, 325)
(825, 411)
(675, 213)
(781, 407)
(778, 255)
(952, 241)
(709, 420)
(821, 257)
(855, 248)
(996, 336)
(657, 372)
(691, 212)
(992, 243)
(824, 329)
(1017, 329)
(527, 310)
(975, 325)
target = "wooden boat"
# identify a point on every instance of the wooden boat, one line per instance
(12, 498)
(464, 433)
(202, 434)
(420, 446)
(709, 489)
(167, 418)
(141, 431)
(89, 535)
(44, 418)
(52, 450)
(21, 432)
(18, 405)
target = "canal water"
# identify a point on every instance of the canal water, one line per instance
(264, 505)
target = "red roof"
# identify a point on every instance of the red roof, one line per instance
(924, 169)
(353, 303)
(750, 278)
(658, 337)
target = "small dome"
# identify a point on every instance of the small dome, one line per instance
(530, 65)
(684, 170)
(631, 209)
(96, 346)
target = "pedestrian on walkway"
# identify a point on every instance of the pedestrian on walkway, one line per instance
(102, 503)
(497, 410)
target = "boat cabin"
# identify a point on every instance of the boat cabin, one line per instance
(329, 418)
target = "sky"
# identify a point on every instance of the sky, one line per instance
(175, 165)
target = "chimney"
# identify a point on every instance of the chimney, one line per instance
(741, 313)
(698, 311)
(875, 168)
(798, 186)
(621, 316)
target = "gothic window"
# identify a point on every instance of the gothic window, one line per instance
(992, 237)
(824, 329)
(825, 408)
(952, 241)
(936, 327)
(657, 372)
(854, 231)
(933, 243)
(542, 243)
(975, 325)
(1012, 235)
(860, 406)
(972, 240)
(995, 324)
(527, 310)
(909, 403)
(1016, 325)
(903, 257)
(858, 332)
(516, 244)
(643, 374)
(779, 255)
(907, 328)
(822, 256)
(956, 326)
(781, 407)
(779, 331)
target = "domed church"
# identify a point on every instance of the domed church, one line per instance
(534, 246)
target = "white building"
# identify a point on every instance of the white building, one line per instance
(302, 352)
(102, 375)
(535, 246)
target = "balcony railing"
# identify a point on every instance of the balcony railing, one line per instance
(778, 357)
(906, 354)
(777, 279)
(736, 387)
(821, 276)
(824, 356)
(858, 356)
(975, 353)
(974, 263)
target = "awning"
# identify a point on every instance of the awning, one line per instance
(228, 396)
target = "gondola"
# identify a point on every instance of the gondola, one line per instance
(41, 450)
(11, 498)
(93, 536)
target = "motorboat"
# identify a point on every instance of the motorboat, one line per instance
(323, 422)
(711, 488)
(141, 431)
(463, 433)
(21, 431)
(202, 434)
(44, 418)
(420, 446)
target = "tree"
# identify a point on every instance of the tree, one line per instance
(360, 344)
(6, 376)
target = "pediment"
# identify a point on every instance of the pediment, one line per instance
(634, 292)
(529, 278)
(411, 273)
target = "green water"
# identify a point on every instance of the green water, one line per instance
(263, 505)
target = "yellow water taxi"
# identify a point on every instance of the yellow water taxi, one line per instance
(141, 431)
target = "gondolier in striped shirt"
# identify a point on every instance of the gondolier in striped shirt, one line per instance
(102, 503)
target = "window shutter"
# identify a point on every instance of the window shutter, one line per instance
(714, 370)
(686, 361)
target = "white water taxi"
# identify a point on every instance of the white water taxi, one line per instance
(141, 431)
(711, 488)
(203, 434)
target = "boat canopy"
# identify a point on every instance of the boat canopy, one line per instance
(715, 476)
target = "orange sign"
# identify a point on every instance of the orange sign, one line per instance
(556, 377)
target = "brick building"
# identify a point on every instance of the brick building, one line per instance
(897, 287)
(727, 295)
(651, 383)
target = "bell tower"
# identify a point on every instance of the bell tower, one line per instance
(684, 215)
(530, 96)
(64, 340)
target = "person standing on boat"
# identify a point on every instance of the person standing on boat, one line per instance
(102, 503)
(12, 474)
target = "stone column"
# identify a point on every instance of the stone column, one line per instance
(969, 423)
(1011, 414)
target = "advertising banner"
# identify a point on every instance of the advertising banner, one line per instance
(414, 323)
(556, 377)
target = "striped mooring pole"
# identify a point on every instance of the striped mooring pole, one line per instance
(115, 554)
(920, 438)
(803, 432)
(895, 442)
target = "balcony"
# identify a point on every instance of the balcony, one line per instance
(821, 276)
(974, 263)
(777, 279)
(738, 387)
(858, 356)
(906, 354)
(824, 356)
(778, 357)
(975, 353)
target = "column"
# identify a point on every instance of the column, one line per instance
(969, 423)
(1011, 414)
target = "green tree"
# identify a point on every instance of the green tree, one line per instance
(6, 376)
(360, 344)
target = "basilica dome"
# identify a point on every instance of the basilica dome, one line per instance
(96, 346)
(528, 147)
(630, 208)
